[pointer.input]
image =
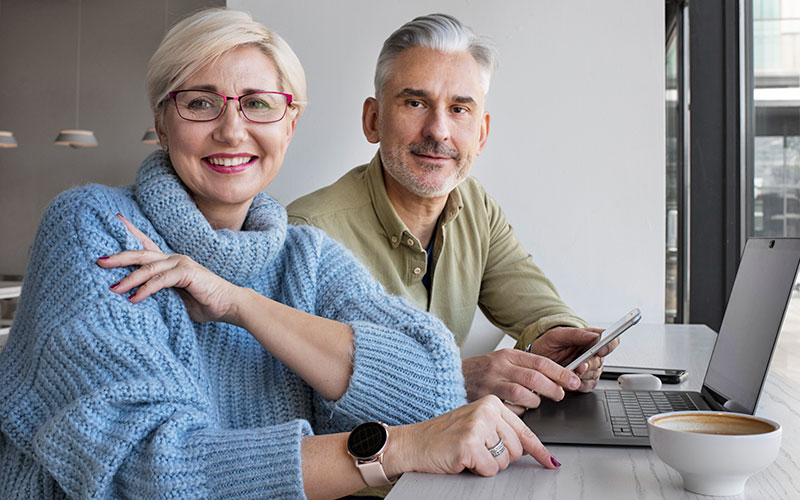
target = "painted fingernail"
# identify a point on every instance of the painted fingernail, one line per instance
(554, 461)
(104, 258)
(114, 286)
(131, 297)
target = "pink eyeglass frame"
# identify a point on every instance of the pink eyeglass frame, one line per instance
(226, 98)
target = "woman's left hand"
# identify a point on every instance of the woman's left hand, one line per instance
(207, 296)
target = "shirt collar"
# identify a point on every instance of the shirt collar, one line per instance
(394, 228)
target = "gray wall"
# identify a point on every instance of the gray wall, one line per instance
(575, 154)
(37, 99)
(576, 149)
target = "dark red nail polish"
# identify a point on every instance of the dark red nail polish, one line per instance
(131, 297)
(103, 258)
(554, 461)
(115, 285)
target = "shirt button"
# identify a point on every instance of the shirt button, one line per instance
(417, 270)
(410, 242)
(394, 239)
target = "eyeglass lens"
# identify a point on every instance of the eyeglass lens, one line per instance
(201, 105)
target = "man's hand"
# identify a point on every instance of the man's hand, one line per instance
(516, 377)
(563, 344)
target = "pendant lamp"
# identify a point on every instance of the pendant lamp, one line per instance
(7, 140)
(76, 138)
(150, 136)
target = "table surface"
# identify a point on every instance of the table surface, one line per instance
(611, 472)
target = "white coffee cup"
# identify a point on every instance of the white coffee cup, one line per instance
(714, 452)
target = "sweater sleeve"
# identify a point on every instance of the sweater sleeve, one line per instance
(407, 367)
(104, 397)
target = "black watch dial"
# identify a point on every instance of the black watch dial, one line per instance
(366, 440)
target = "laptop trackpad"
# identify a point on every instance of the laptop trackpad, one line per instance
(577, 415)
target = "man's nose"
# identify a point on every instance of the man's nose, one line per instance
(437, 126)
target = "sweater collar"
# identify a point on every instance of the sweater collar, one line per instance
(237, 256)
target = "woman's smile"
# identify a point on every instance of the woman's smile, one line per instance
(224, 163)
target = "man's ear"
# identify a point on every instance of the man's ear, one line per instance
(369, 120)
(484, 132)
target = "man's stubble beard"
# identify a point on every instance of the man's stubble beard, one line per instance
(394, 161)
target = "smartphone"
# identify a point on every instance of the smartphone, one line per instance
(667, 375)
(607, 336)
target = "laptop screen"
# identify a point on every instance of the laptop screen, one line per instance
(752, 321)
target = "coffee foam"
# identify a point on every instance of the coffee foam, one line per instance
(704, 423)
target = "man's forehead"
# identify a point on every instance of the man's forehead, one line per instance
(425, 72)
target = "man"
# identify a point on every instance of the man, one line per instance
(430, 233)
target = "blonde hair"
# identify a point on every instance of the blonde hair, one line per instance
(204, 37)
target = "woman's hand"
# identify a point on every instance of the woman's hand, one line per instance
(207, 296)
(461, 439)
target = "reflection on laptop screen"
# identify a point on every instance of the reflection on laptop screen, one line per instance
(752, 321)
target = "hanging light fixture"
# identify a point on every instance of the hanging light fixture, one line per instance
(150, 136)
(77, 138)
(7, 140)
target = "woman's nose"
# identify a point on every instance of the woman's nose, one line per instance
(231, 125)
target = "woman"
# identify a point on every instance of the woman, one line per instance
(232, 364)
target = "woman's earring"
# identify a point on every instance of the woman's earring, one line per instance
(165, 147)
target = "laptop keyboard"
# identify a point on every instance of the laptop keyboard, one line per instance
(629, 410)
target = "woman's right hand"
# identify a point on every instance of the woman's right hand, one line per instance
(461, 438)
(207, 296)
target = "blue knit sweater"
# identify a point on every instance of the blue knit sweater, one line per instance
(102, 398)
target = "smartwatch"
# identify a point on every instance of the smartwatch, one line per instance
(367, 444)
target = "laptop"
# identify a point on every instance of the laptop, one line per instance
(736, 372)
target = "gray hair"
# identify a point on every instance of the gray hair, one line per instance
(438, 32)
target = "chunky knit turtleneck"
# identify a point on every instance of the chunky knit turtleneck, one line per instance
(102, 398)
(234, 255)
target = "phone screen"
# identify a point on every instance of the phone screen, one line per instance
(608, 335)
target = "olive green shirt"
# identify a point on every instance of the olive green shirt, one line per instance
(477, 260)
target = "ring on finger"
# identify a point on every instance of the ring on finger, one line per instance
(498, 449)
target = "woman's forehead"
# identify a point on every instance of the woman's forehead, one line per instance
(241, 70)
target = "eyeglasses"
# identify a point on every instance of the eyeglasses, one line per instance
(205, 106)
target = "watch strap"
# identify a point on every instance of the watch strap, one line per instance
(372, 472)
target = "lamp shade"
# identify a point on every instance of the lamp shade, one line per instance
(150, 136)
(7, 140)
(76, 139)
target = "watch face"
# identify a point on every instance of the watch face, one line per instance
(366, 440)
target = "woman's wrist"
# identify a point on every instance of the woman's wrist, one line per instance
(242, 301)
(397, 458)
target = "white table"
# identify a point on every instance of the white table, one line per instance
(8, 290)
(620, 473)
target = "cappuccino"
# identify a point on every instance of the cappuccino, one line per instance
(720, 423)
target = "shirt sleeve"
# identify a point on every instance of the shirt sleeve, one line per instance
(515, 295)
(407, 367)
(103, 397)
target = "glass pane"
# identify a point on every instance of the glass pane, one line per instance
(673, 144)
(774, 198)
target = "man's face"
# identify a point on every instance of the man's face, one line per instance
(430, 120)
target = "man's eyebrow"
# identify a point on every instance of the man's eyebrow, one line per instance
(409, 92)
(464, 99)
